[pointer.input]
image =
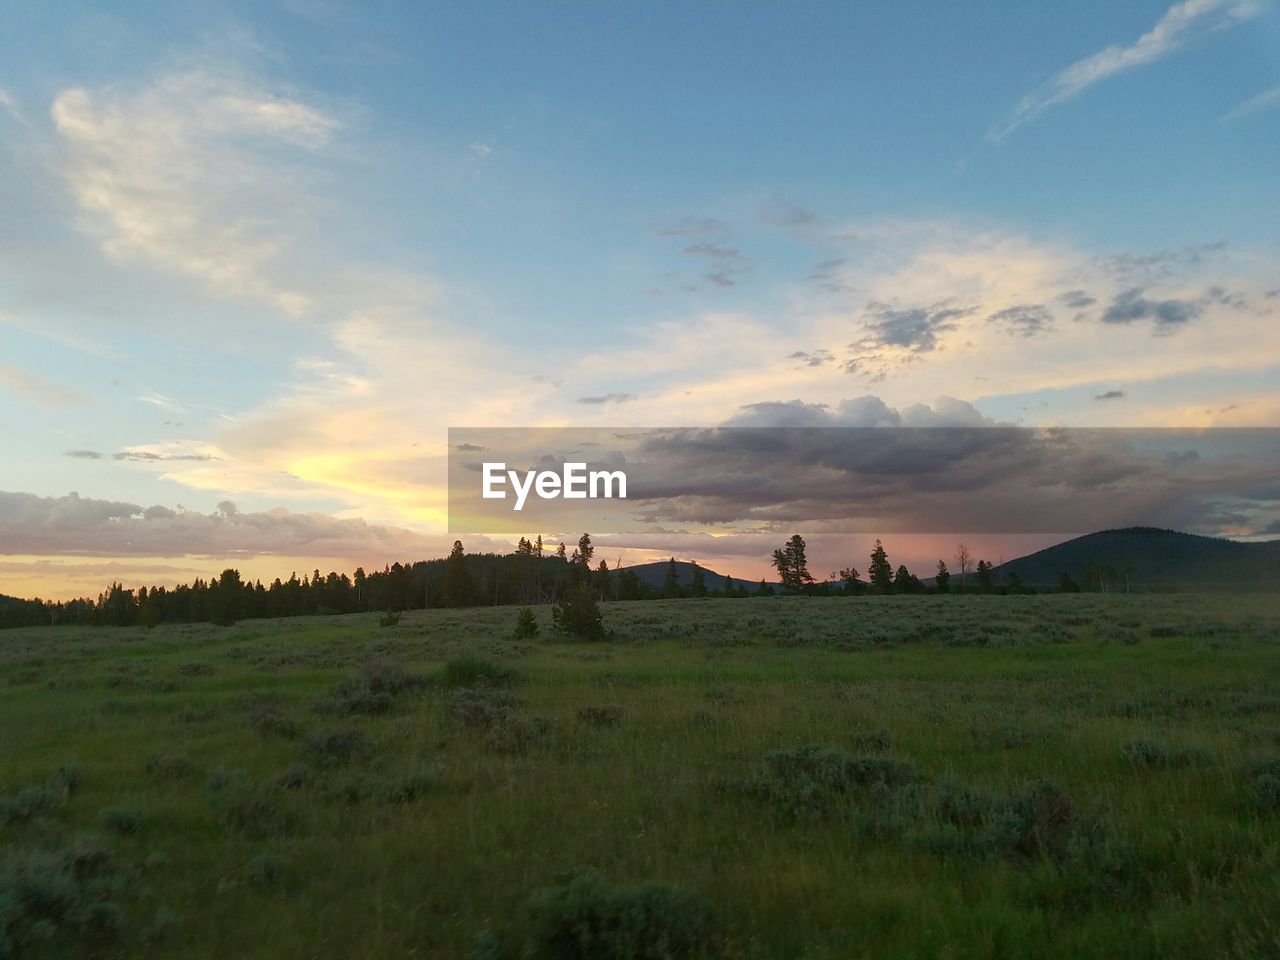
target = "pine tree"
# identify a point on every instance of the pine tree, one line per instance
(671, 583)
(880, 572)
(457, 578)
(698, 586)
(943, 578)
(793, 569)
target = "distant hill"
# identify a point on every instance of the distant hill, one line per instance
(1151, 559)
(655, 574)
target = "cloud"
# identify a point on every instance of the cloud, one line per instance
(467, 447)
(818, 358)
(480, 150)
(1181, 22)
(75, 525)
(39, 391)
(1110, 395)
(144, 456)
(1027, 320)
(692, 227)
(792, 218)
(1266, 100)
(10, 105)
(894, 336)
(865, 465)
(712, 251)
(83, 454)
(1131, 305)
(607, 399)
(186, 173)
(1077, 299)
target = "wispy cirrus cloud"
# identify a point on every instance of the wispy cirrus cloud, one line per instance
(1181, 23)
(184, 174)
(1266, 100)
(39, 391)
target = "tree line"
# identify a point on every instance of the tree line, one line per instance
(531, 574)
(792, 566)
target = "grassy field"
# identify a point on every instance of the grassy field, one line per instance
(951, 777)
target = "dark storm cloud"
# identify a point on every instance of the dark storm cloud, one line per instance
(1026, 320)
(934, 479)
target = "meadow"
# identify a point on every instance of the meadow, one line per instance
(906, 776)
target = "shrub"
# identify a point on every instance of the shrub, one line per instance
(526, 627)
(482, 707)
(602, 715)
(337, 748)
(412, 785)
(1267, 788)
(1148, 753)
(162, 926)
(470, 671)
(388, 619)
(513, 735)
(169, 767)
(247, 810)
(872, 741)
(584, 917)
(31, 802)
(125, 821)
(51, 898)
(578, 615)
(292, 778)
(1164, 630)
(266, 870)
(809, 779)
(370, 691)
(266, 717)
(196, 669)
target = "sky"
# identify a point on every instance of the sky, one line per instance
(257, 258)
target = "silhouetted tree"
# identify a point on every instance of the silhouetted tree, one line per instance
(698, 585)
(963, 560)
(457, 578)
(942, 579)
(792, 566)
(879, 571)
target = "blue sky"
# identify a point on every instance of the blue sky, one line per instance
(265, 254)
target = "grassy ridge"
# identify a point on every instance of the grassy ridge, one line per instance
(331, 788)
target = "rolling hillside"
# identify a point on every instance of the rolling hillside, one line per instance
(1149, 558)
(655, 574)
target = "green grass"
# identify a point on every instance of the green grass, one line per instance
(234, 810)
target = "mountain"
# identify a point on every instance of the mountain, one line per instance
(1151, 559)
(655, 574)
